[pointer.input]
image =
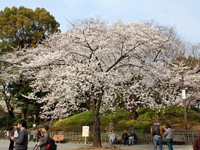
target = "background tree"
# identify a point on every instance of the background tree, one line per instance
(7, 97)
(19, 88)
(22, 26)
(90, 63)
(2, 111)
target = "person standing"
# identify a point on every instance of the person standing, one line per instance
(45, 138)
(11, 135)
(196, 145)
(169, 136)
(156, 132)
(37, 136)
(111, 137)
(125, 137)
(132, 137)
(5, 133)
(21, 142)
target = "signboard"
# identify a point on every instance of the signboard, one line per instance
(183, 94)
(85, 131)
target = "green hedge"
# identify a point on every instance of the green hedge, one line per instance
(75, 122)
(122, 119)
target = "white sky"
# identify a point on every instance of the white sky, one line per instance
(182, 14)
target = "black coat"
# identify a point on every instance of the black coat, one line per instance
(125, 137)
(134, 135)
(38, 134)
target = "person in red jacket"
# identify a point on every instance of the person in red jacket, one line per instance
(196, 145)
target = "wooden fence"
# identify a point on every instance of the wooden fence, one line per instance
(143, 138)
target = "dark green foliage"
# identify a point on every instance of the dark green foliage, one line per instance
(3, 121)
(21, 26)
(4, 128)
(28, 106)
(189, 61)
(16, 122)
(143, 110)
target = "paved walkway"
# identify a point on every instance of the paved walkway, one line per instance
(4, 144)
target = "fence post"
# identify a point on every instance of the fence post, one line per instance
(193, 136)
(73, 137)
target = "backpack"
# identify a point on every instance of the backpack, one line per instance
(51, 145)
(155, 130)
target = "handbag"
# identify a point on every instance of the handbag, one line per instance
(47, 146)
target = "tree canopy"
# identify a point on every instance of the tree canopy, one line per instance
(22, 26)
(90, 64)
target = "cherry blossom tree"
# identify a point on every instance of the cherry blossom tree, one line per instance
(181, 77)
(91, 63)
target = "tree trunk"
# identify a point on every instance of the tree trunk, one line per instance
(134, 114)
(24, 114)
(9, 108)
(11, 112)
(96, 129)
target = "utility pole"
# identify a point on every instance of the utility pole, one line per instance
(184, 102)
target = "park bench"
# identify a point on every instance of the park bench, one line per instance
(118, 139)
(58, 138)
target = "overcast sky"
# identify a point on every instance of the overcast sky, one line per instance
(184, 15)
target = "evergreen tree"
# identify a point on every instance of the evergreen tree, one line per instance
(23, 26)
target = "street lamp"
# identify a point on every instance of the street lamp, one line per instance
(184, 102)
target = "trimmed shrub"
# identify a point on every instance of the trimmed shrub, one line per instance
(122, 119)
(75, 122)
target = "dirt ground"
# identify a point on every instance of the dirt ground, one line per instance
(99, 148)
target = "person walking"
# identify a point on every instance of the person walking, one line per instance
(21, 142)
(37, 136)
(11, 135)
(125, 137)
(156, 132)
(169, 136)
(45, 138)
(5, 134)
(196, 145)
(132, 138)
(111, 137)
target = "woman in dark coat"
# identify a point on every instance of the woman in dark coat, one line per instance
(11, 135)
(45, 138)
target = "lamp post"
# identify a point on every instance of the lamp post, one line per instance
(184, 102)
